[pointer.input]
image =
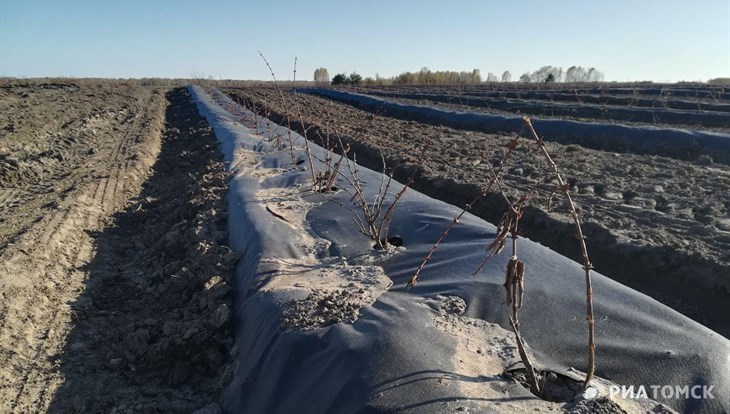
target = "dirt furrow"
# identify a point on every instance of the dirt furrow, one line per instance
(41, 275)
(53, 142)
(7, 196)
(119, 168)
(151, 329)
(38, 376)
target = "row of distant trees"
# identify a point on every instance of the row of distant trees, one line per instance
(719, 81)
(546, 74)
(321, 75)
(426, 76)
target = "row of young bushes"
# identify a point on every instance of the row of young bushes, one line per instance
(373, 216)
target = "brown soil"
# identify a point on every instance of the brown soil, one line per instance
(113, 269)
(657, 224)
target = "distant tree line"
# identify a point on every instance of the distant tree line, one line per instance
(574, 74)
(425, 76)
(342, 79)
(719, 81)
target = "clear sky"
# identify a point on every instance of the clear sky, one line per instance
(659, 40)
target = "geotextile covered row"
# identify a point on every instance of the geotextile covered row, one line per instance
(319, 328)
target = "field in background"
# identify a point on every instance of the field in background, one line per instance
(683, 106)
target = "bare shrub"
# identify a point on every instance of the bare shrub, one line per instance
(322, 181)
(277, 138)
(371, 224)
(375, 221)
(514, 279)
(325, 179)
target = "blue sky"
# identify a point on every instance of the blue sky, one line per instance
(659, 40)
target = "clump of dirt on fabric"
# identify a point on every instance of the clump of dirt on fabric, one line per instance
(328, 290)
(321, 308)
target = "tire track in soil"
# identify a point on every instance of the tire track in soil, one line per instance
(79, 144)
(34, 376)
(152, 329)
(102, 194)
(34, 325)
(121, 166)
(7, 196)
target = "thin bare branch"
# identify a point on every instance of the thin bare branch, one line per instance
(510, 148)
(587, 266)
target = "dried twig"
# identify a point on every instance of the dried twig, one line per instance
(372, 221)
(385, 223)
(514, 283)
(510, 147)
(304, 134)
(587, 266)
(324, 180)
(514, 279)
(507, 225)
(284, 105)
(523, 355)
(376, 221)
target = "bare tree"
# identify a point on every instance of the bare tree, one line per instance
(576, 74)
(321, 75)
(425, 76)
(594, 75)
(581, 74)
(491, 77)
(506, 76)
(547, 74)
